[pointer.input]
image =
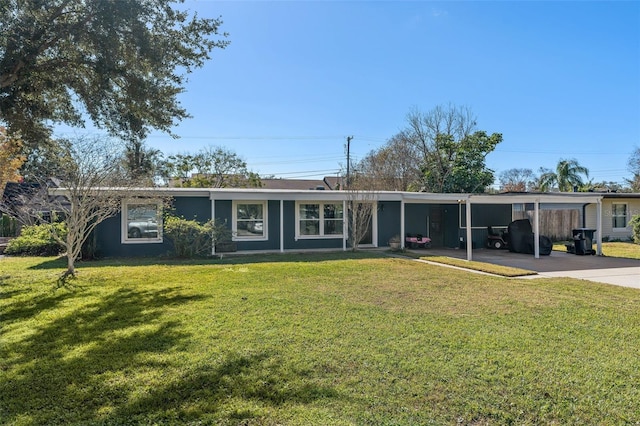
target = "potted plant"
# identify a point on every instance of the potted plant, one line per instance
(394, 242)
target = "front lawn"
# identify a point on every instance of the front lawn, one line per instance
(333, 339)
(612, 249)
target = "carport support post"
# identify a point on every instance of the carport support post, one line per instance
(213, 218)
(402, 239)
(469, 235)
(281, 226)
(345, 225)
(536, 229)
(599, 227)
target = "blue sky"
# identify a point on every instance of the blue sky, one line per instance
(557, 79)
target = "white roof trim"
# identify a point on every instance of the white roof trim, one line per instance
(328, 195)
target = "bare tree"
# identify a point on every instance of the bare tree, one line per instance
(517, 180)
(456, 121)
(395, 166)
(452, 150)
(634, 167)
(92, 189)
(362, 196)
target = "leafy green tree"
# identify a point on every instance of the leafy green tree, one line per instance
(568, 174)
(49, 158)
(121, 63)
(453, 152)
(211, 167)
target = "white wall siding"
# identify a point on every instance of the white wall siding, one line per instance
(633, 209)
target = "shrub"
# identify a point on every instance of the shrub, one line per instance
(635, 228)
(37, 240)
(191, 238)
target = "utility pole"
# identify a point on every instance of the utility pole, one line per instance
(349, 138)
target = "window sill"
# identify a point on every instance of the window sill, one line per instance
(319, 237)
(142, 241)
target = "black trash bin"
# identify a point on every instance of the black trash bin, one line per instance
(583, 240)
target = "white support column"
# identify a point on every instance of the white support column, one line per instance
(402, 234)
(469, 234)
(345, 225)
(281, 226)
(599, 227)
(213, 218)
(536, 229)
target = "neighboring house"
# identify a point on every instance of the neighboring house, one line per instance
(293, 220)
(330, 183)
(26, 201)
(617, 211)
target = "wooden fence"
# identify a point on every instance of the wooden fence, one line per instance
(555, 224)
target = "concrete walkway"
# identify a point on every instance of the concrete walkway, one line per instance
(608, 270)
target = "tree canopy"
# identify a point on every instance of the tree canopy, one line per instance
(393, 167)
(517, 180)
(122, 63)
(211, 167)
(453, 150)
(567, 175)
(10, 158)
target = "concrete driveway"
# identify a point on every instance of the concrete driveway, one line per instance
(609, 270)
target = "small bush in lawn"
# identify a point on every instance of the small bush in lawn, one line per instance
(36, 240)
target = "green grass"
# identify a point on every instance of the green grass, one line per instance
(612, 249)
(336, 339)
(490, 268)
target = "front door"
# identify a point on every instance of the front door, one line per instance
(435, 226)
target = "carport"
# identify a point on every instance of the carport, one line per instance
(515, 198)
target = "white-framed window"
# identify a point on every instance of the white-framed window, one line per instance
(319, 219)
(141, 221)
(249, 220)
(619, 215)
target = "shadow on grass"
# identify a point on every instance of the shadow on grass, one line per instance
(17, 311)
(223, 391)
(62, 365)
(228, 259)
(120, 360)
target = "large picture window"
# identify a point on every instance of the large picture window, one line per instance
(250, 220)
(320, 219)
(141, 222)
(619, 215)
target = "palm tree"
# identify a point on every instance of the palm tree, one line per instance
(567, 175)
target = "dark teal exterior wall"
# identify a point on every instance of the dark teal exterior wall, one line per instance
(415, 221)
(108, 233)
(388, 221)
(290, 242)
(438, 221)
(224, 215)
